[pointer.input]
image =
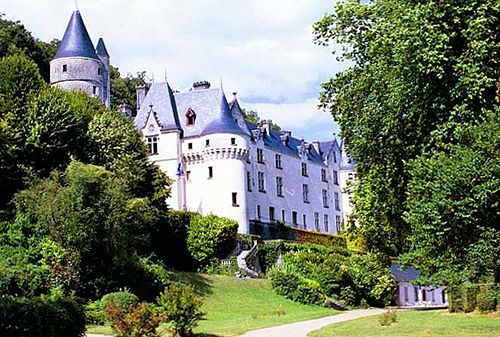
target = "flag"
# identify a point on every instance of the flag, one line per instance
(180, 172)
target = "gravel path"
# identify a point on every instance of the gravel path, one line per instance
(301, 329)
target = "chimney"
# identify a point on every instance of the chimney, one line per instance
(267, 125)
(140, 91)
(201, 85)
(285, 137)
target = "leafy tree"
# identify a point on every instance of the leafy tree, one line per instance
(453, 208)
(419, 70)
(123, 88)
(15, 39)
(252, 116)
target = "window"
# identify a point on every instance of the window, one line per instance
(304, 169)
(234, 199)
(249, 181)
(207, 142)
(337, 223)
(424, 295)
(261, 182)
(324, 194)
(210, 172)
(233, 141)
(406, 293)
(316, 221)
(349, 159)
(260, 156)
(294, 218)
(94, 89)
(304, 222)
(188, 175)
(283, 216)
(443, 296)
(350, 176)
(65, 68)
(98, 71)
(278, 161)
(416, 293)
(190, 117)
(152, 144)
(271, 213)
(335, 177)
(258, 212)
(305, 193)
(335, 157)
(337, 203)
(279, 186)
(190, 146)
(323, 175)
(325, 222)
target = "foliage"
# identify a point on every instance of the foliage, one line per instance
(419, 69)
(388, 317)
(210, 237)
(252, 116)
(216, 267)
(455, 195)
(115, 223)
(123, 88)
(120, 299)
(140, 320)
(16, 40)
(41, 316)
(182, 308)
(94, 313)
(469, 297)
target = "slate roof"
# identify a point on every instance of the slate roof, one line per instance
(409, 274)
(76, 41)
(161, 97)
(273, 141)
(101, 48)
(213, 114)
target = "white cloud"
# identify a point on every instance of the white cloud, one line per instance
(262, 49)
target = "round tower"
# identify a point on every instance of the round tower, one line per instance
(76, 65)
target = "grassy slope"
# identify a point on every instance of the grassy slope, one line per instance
(417, 324)
(234, 306)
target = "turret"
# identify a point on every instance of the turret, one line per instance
(77, 66)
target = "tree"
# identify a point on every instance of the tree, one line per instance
(419, 70)
(123, 89)
(252, 116)
(453, 208)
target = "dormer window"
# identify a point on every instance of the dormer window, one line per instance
(190, 117)
(98, 71)
(65, 68)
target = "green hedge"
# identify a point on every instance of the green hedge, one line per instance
(469, 297)
(41, 317)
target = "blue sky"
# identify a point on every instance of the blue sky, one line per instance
(261, 49)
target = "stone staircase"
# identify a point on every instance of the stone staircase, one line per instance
(244, 257)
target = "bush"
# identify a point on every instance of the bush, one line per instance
(121, 299)
(181, 308)
(94, 313)
(211, 237)
(140, 320)
(217, 268)
(388, 317)
(290, 285)
(469, 297)
(41, 316)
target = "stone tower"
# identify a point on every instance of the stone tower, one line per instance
(77, 65)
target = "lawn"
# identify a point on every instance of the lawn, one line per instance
(417, 324)
(234, 306)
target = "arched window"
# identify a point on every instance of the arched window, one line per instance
(190, 117)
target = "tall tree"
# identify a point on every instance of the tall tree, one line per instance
(419, 70)
(123, 88)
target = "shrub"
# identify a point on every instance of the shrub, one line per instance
(388, 317)
(41, 316)
(140, 320)
(469, 297)
(94, 313)
(217, 268)
(121, 299)
(211, 237)
(289, 284)
(181, 308)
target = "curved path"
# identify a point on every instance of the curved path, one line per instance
(301, 329)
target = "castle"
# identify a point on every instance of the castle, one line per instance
(220, 163)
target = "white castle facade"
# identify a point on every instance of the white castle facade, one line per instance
(220, 163)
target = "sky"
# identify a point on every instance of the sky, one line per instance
(261, 49)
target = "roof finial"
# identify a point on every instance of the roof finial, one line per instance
(165, 71)
(76, 5)
(221, 87)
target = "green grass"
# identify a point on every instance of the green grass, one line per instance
(234, 306)
(417, 324)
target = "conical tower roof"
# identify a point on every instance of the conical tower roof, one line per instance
(101, 48)
(76, 41)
